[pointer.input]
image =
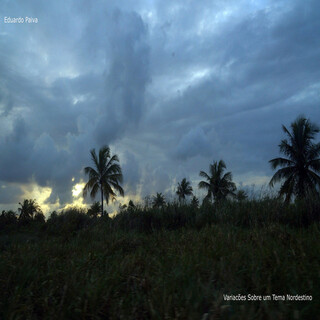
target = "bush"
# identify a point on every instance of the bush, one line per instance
(68, 221)
(8, 218)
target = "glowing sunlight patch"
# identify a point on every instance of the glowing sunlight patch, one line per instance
(77, 189)
(41, 194)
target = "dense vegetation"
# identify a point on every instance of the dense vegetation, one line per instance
(173, 262)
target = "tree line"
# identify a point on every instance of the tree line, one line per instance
(298, 174)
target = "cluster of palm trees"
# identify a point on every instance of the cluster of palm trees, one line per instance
(299, 172)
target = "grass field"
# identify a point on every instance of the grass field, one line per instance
(107, 271)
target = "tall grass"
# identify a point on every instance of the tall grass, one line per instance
(250, 213)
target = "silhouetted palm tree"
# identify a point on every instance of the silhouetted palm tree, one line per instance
(184, 189)
(299, 170)
(158, 200)
(217, 185)
(104, 177)
(28, 209)
(241, 195)
(195, 202)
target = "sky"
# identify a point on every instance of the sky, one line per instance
(170, 86)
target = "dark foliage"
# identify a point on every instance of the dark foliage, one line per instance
(300, 170)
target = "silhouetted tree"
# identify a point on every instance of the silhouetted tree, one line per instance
(39, 217)
(129, 208)
(218, 186)
(158, 200)
(195, 202)
(299, 170)
(184, 189)
(8, 217)
(95, 209)
(241, 195)
(104, 177)
(53, 215)
(131, 204)
(28, 208)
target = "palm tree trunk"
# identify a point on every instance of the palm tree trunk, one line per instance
(101, 201)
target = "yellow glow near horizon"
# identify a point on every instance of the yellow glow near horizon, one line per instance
(40, 194)
(76, 203)
(77, 196)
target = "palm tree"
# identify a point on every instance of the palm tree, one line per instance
(241, 195)
(299, 170)
(184, 189)
(28, 209)
(217, 185)
(104, 177)
(158, 200)
(195, 202)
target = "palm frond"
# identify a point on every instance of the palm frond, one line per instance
(227, 176)
(281, 162)
(283, 173)
(113, 168)
(94, 190)
(287, 149)
(91, 172)
(94, 158)
(117, 187)
(204, 185)
(204, 175)
(287, 132)
(314, 165)
(108, 192)
(315, 179)
(287, 188)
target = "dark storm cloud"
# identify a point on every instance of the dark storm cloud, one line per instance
(257, 74)
(195, 142)
(171, 86)
(54, 123)
(131, 172)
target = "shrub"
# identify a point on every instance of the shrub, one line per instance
(8, 218)
(68, 221)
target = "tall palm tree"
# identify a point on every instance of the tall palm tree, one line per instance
(218, 186)
(28, 208)
(104, 177)
(301, 167)
(184, 189)
(158, 200)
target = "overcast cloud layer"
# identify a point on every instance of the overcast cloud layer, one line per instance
(169, 85)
